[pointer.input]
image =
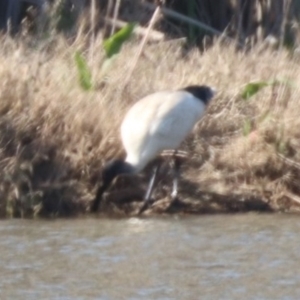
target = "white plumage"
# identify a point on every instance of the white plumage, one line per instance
(158, 122)
(155, 123)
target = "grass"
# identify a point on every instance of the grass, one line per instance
(55, 136)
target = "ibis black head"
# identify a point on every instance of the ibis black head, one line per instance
(110, 171)
(203, 92)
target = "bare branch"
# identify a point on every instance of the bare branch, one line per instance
(153, 34)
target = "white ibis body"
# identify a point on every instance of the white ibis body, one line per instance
(158, 122)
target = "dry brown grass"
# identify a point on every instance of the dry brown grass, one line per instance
(55, 137)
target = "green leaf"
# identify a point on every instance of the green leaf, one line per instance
(287, 82)
(113, 44)
(252, 88)
(247, 127)
(282, 147)
(107, 65)
(84, 73)
(264, 117)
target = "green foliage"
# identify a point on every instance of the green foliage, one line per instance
(281, 141)
(113, 44)
(247, 127)
(266, 116)
(112, 47)
(282, 147)
(84, 73)
(107, 65)
(284, 81)
(253, 88)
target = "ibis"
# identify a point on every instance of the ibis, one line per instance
(157, 122)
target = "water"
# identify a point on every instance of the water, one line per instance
(204, 257)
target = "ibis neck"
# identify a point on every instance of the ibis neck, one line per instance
(126, 168)
(133, 165)
(111, 171)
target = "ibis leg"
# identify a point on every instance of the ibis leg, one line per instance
(150, 188)
(176, 175)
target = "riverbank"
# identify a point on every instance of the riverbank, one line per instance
(55, 136)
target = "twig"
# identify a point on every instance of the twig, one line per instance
(185, 19)
(192, 21)
(286, 10)
(177, 153)
(108, 13)
(240, 11)
(153, 34)
(293, 197)
(93, 34)
(143, 43)
(289, 161)
(115, 16)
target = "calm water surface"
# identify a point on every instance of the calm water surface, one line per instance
(204, 257)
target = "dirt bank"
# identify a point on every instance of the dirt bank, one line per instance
(55, 136)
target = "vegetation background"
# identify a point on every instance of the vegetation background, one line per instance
(67, 81)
